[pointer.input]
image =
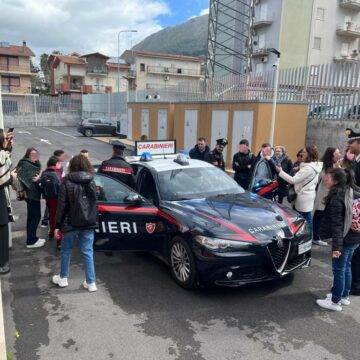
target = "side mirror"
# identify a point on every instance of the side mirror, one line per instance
(133, 199)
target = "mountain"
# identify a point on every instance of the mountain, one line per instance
(189, 38)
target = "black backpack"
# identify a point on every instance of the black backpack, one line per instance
(50, 184)
(83, 208)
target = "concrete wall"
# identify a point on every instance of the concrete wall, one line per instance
(324, 133)
(48, 119)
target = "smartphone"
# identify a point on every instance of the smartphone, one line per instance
(10, 130)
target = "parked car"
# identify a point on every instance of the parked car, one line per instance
(202, 223)
(96, 126)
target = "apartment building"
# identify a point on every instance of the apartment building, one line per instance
(151, 70)
(90, 73)
(306, 32)
(15, 70)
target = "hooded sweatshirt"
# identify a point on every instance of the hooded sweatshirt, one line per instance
(304, 181)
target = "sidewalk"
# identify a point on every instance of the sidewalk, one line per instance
(2, 330)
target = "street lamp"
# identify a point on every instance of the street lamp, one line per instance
(118, 65)
(276, 82)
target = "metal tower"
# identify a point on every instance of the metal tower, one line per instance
(230, 37)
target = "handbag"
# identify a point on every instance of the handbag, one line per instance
(292, 194)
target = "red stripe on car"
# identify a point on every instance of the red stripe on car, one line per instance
(268, 188)
(294, 228)
(243, 234)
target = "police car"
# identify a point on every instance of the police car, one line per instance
(196, 217)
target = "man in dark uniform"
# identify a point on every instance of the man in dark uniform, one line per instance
(215, 156)
(354, 147)
(117, 167)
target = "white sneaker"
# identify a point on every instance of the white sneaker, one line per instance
(39, 243)
(320, 242)
(328, 304)
(61, 282)
(344, 301)
(90, 287)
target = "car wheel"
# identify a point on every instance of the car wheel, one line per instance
(88, 132)
(182, 263)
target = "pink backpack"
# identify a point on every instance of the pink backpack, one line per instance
(355, 224)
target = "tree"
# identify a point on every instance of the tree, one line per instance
(44, 66)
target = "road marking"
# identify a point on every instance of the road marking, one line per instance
(45, 141)
(59, 132)
(24, 132)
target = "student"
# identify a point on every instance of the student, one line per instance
(28, 172)
(77, 217)
(50, 182)
(336, 225)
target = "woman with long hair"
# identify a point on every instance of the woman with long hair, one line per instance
(6, 141)
(336, 225)
(304, 181)
(76, 217)
(28, 172)
(331, 159)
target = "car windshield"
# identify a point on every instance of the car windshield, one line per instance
(194, 183)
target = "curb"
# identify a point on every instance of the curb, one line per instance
(2, 330)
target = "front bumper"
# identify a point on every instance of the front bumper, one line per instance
(259, 263)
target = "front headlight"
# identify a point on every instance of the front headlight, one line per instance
(220, 244)
(304, 229)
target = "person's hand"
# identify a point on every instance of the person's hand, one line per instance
(36, 178)
(56, 233)
(338, 164)
(8, 140)
(13, 173)
(278, 168)
(336, 254)
(267, 157)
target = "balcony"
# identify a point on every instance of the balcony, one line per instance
(349, 29)
(262, 21)
(163, 70)
(346, 58)
(350, 4)
(97, 70)
(11, 89)
(15, 69)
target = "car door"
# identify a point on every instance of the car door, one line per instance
(96, 126)
(124, 223)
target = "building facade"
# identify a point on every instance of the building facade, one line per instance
(150, 70)
(87, 74)
(15, 70)
(307, 32)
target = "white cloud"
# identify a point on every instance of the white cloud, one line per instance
(204, 11)
(83, 26)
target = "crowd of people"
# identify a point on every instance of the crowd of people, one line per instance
(324, 191)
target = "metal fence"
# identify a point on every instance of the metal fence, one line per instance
(332, 91)
(31, 103)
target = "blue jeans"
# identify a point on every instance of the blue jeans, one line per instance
(307, 216)
(32, 221)
(341, 268)
(318, 215)
(86, 238)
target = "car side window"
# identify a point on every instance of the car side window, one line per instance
(110, 190)
(147, 186)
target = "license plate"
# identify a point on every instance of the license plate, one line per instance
(303, 248)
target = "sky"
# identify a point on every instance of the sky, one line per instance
(86, 26)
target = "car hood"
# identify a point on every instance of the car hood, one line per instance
(244, 217)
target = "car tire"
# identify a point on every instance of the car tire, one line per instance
(182, 263)
(88, 133)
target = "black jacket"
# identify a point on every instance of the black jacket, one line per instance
(332, 225)
(242, 164)
(196, 154)
(270, 162)
(356, 169)
(118, 168)
(216, 158)
(287, 166)
(66, 196)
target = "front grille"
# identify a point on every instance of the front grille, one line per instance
(279, 254)
(294, 263)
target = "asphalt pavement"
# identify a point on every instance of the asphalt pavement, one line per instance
(139, 312)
